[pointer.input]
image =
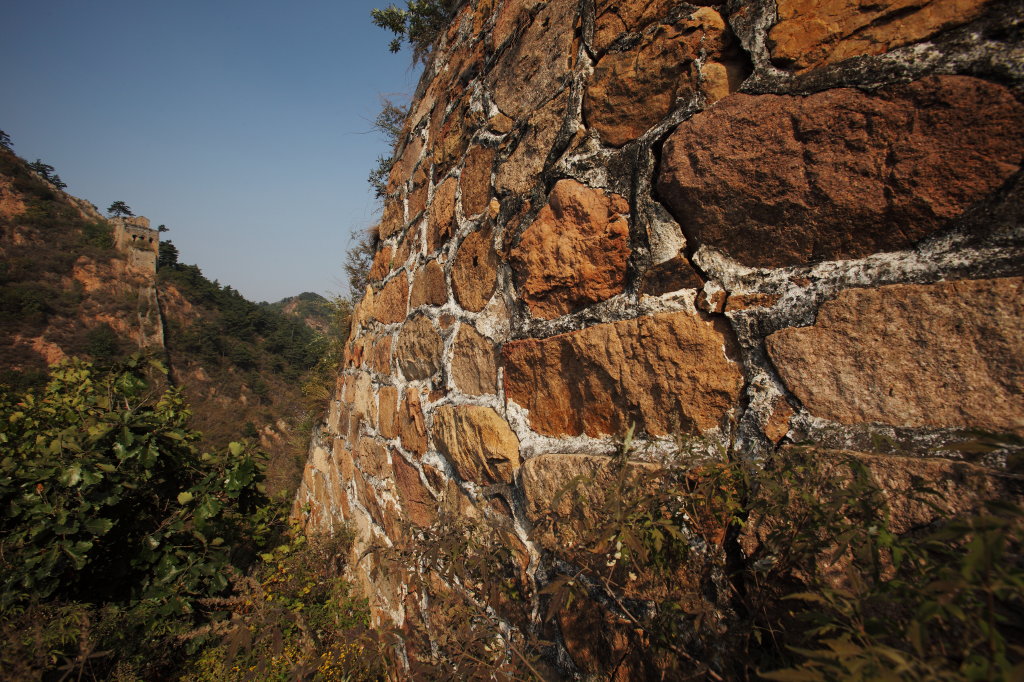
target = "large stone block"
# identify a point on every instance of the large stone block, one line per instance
(542, 58)
(418, 505)
(668, 372)
(475, 271)
(576, 251)
(474, 362)
(478, 442)
(781, 180)
(636, 88)
(949, 354)
(816, 32)
(442, 214)
(475, 180)
(419, 348)
(392, 303)
(411, 427)
(428, 286)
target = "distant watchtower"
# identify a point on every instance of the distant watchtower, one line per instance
(137, 240)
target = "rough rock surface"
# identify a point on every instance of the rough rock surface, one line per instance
(428, 286)
(938, 355)
(633, 89)
(575, 252)
(478, 442)
(474, 362)
(670, 372)
(811, 32)
(475, 272)
(782, 180)
(419, 348)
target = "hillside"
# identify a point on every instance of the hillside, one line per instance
(76, 284)
(64, 287)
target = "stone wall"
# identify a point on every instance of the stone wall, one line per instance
(755, 223)
(137, 240)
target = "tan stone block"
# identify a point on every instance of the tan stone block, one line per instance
(419, 348)
(411, 428)
(418, 505)
(542, 56)
(520, 172)
(474, 362)
(392, 303)
(392, 219)
(670, 373)
(428, 286)
(381, 267)
(633, 90)
(777, 425)
(419, 191)
(778, 180)
(812, 33)
(949, 354)
(475, 180)
(575, 252)
(442, 215)
(478, 442)
(671, 275)
(475, 271)
(372, 459)
(379, 359)
(387, 424)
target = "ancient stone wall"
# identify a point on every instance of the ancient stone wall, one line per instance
(759, 222)
(137, 240)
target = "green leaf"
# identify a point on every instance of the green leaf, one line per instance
(236, 448)
(184, 498)
(98, 526)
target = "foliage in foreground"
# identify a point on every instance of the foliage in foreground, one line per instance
(419, 24)
(797, 569)
(114, 526)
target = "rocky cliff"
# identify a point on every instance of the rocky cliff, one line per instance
(749, 224)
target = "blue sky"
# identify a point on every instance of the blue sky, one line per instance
(245, 127)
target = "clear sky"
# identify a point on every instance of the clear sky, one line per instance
(245, 127)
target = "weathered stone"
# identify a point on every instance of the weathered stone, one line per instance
(521, 170)
(476, 180)
(949, 354)
(360, 397)
(379, 359)
(419, 190)
(780, 180)
(812, 33)
(372, 458)
(615, 17)
(672, 275)
(392, 303)
(475, 271)
(755, 300)
(575, 253)
(442, 215)
(392, 219)
(581, 485)
(777, 425)
(669, 372)
(387, 424)
(381, 264)
(632, 90)
(401, 171)
(542, 57)
(478, 442)
(418, 505)
(419, 348)
(428, 286)
(474, 362)
(411, 428)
